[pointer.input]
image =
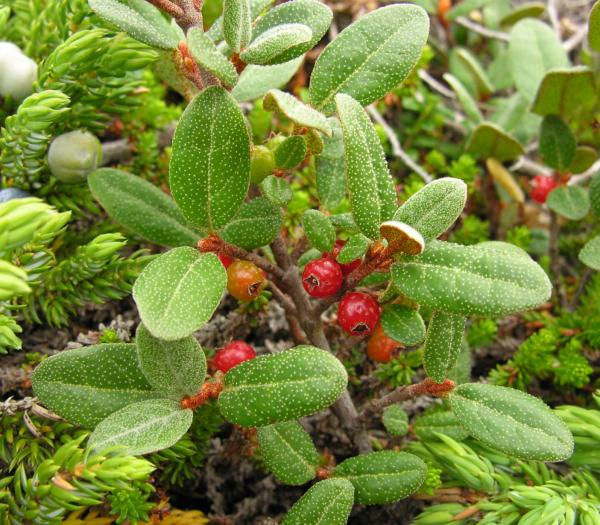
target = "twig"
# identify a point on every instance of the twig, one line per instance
(575, 39)
(553, 15)
(482, 30)
(583, 281)
(587, 174)
(555, 265)
(168, 7)
(435, 85)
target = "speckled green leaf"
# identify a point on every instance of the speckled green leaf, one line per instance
(434, 208)
(215, 33)
(344, 222)
(139, 19)
(179, 291)
(594, 195)
(316, 15)
(468, 103)
(571, 202)
(403, 324)
(534, 49)
(490, 141)
(296, 111)
(210, 165)
(329, 167)
(565, 92)
(318, 229)
(356, 246)
(369, 183)
(584, 158)
(314, 141)
(87, 384)
(277, 190)
(590, 254)
(209, 57)
(141, 207)
(395, 421)
(255, 81)
(511, 421)
(270, 46)
(288, 451)
(461, 371)
(282, 387)
(237, 23)
(594, 27)
(173, 368)
(557, 143)
(383, 477)
(290, 152)
(328, 502)
(142, 427)
(371, 56)
(443, 344)
(525, 10)
(429, 425)
(256, 224)
(473, 280)
(475, 70)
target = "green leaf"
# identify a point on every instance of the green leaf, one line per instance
(434, 208)
(329, 168)
(237, 24)
(210, 165)
(318, 229)
(314, 14)
(139, 19)
(511, 421)
(383, 477)
(344, 222)
(526, 10)
(371, 56)
(173, 368)
(443, 344)
(257, 223)
(594, 195)
(465, 7)
(328, 502)
(255, 81)
(277, 190)
(296, 111)
(590, 254)
(271, 46)
(179, 291)
(557, 143)
(584, 158)
(594, 27)
(288, 452)
(142, 427)
(534, 49)
(87, 384)
(403, 324)
(370, 185)
(290, 152)
(489, 141)
(395, 421)
(140, 207)
(473, 67)
(469, 105)
(356, 246)
(473, 280)
(215, 32)
(303, 380)
(571, 202)
(209, 57)
(565, 92)
(461, 371)
(429, 425)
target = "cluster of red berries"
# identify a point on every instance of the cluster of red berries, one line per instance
(541, 186)
(245, 280)
(232, 355)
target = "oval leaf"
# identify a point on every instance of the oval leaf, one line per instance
(489, 141)
(571, 202)
(329, 168)
(371, 56)
(395, 421)
(383, 477)
(403, 324)
(318, 230)
(141, 207)
(429, 425)
(465, 98)
(356, 246)
(210, 166)
(290, 152)
(142, 427)
(209, 57)
(237, 23)
(179, 291)
(505, 180)
(443, 344)
(288, 452)
(87, 384)
(475, 70)
(590, 254)
(557, 143)
(594, 195)
(255, 80)
(277, 190)
(303, 380)
(584, 158)
(511, 421)
(173, 368)
(270, 46)
(594, 27)
(296, 111)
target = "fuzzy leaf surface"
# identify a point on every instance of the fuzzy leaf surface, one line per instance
(237, 23)
(282, 387)
(403, 324)
(270, 46)
(179, 291)
(290, 152)
(571, 202)
(330, 168)
(594, 195)
(356, 246)
(209, 57)
(590, 253)
(256, 80)
(395, 420)
(318, 229)
(296, 111)
(465, 98)
(215, 32)
(443, 344)
(511, 421)
(277, 190)
(490, 141)
(557, 143)
(565, 92)
(429, 425)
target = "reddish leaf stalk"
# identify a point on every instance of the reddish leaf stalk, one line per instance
(208, 391)
(190, 67)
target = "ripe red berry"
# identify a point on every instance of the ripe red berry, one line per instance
(380, 347)
(346, 267)
(322, 277)
(358, 313)
(541, 186)
(232, 355)
(225, 259)
(245, 280)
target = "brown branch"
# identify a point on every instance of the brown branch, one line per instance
(168, 7)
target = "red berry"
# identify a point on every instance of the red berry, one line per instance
(225, 259)
(380, 347)
(541, 186)
(232, 355)
(322, 277)
(358, 313)
(346, 267)
(245, 280)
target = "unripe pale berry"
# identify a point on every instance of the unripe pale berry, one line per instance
(262, 163)
(9, 194)
(541, 186)
(17, 72)
(346, 267)
(358, 313)
(74, 155)
(380, 347)
(322, 277)
(232, 355)
(245, 280)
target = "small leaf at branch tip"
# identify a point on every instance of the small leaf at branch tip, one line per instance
(402, 238)
(505, 179)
